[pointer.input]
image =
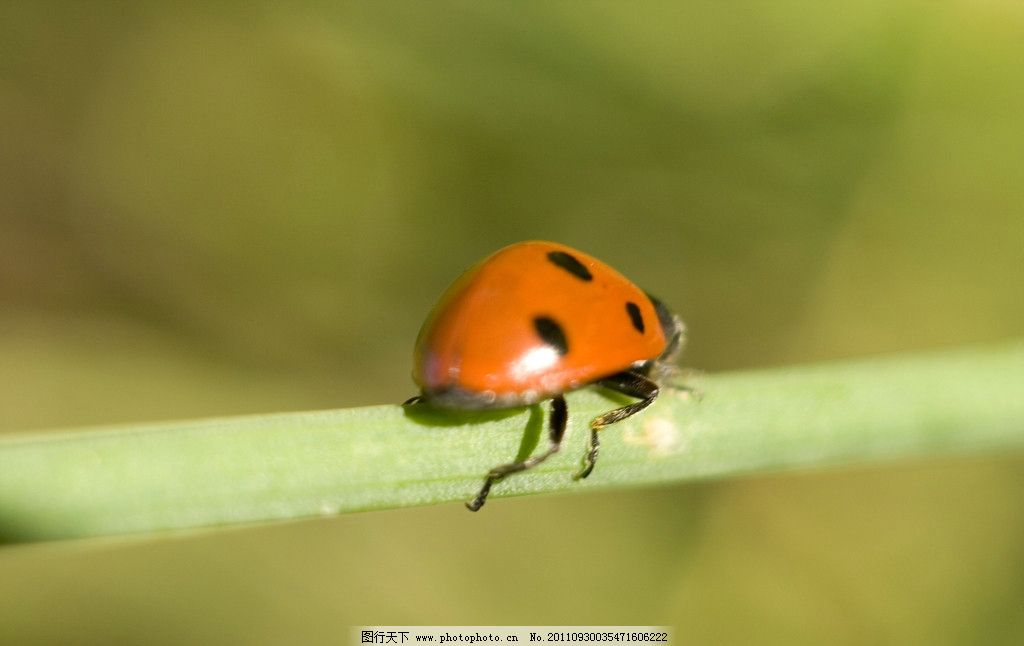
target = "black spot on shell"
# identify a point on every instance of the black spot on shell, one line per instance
(634, 315)
(551, 333)
(569, 263)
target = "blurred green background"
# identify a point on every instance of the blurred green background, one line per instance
(224, 208)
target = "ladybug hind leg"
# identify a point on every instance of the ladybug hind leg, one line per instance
(629, 383)
(556, 430)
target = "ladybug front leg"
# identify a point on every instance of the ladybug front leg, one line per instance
(627, 383)
(556, 424)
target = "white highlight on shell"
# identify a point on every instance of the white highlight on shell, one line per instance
(534, 360)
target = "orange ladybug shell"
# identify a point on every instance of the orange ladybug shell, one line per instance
(532, 320)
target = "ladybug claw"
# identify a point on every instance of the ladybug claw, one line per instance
(478, 502)
(582, 474)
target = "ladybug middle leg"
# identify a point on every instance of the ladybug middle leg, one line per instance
(556, 425)
(629, 383)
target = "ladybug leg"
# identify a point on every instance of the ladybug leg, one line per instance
(628, 383)
(556, 425)
(415, 399)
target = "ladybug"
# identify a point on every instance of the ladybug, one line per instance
(536, 320)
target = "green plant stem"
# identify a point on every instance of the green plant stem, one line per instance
(203, 473)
